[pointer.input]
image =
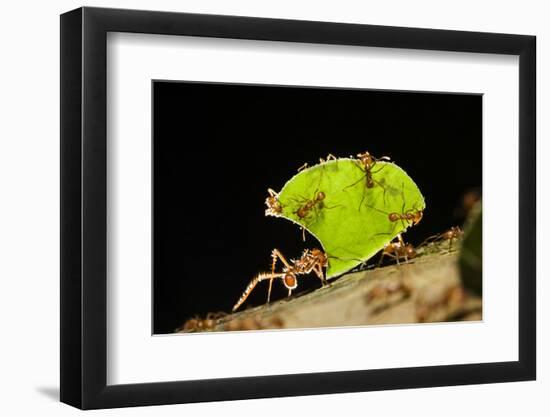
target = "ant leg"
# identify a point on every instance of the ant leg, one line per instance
(273, 262)
(303, 167)
(400, 238)
(303, 234)
(363, 199)
(381, 257)
(262, 276)
(377, 209)
(403, 197)
(318, 269)
(330, 157)
(394, 256)
(383, 188)
(356, 182)
(275, 254)
(429, 240)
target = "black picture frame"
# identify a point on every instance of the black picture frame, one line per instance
(84, 222)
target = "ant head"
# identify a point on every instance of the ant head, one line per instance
(290, 281)
(321, 196)
(411, 252)
(365, 158)
(320, 255)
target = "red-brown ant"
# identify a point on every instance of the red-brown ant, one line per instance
(313, 260)
(196, 324)
(366, 163)
(409, 217)
(398, 250)
(308, 206)
(274, 207)
(454, 233)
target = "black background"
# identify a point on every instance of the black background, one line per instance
(218, 147)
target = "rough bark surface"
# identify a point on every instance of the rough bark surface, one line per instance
(427, 289)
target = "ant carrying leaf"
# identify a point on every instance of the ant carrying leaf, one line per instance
(308, 199)
(313, 260)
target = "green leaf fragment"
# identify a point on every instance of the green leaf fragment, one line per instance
(352, 220)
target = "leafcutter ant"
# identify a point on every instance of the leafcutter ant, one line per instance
(398, 250)
(409, 217)
(308, 206)
(313, 260)
(196, 324)
(274, 207)
(317, 201)
(452, 234)
(367, 162)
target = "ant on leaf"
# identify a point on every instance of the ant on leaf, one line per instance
(408, 218)
(309, 206)
(366, 162)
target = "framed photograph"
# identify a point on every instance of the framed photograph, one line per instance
(257, 208)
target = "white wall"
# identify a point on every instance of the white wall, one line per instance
(29, 176)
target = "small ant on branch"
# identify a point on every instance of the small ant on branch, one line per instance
(313, 260)
(398, 250)
(452, 234)
(196, 324)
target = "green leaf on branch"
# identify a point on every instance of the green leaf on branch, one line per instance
(349, 219)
